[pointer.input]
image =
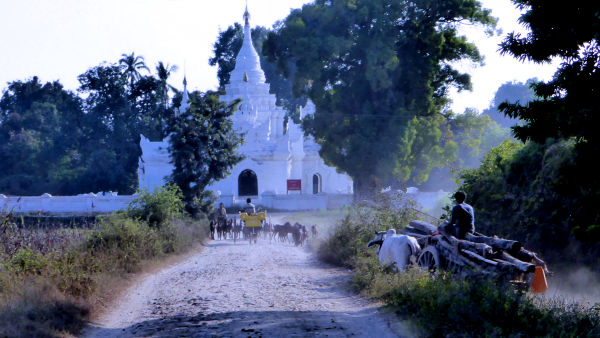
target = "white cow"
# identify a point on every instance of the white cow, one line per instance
(395, 249)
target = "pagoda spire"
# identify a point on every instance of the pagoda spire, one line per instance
(247, 64)
(246, 15)
(185, 100)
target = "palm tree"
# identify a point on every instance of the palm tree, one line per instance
(131, 66)
(163, 72)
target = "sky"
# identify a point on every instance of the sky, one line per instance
(60, 39)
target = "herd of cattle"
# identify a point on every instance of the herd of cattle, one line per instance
(296, 233)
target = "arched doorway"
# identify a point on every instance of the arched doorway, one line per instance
(316, 183)
(247, 183)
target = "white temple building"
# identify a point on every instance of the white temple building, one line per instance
(282, 168)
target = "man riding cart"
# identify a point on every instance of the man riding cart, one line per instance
(252, 221)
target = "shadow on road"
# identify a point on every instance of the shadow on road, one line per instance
(251, 324)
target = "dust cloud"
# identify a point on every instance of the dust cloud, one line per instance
(580, 285)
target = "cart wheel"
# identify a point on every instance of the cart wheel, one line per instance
(429, 258)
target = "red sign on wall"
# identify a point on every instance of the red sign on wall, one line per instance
(294, 185)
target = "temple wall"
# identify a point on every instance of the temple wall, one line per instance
(80, 204)
(291, 202)
(108, 203)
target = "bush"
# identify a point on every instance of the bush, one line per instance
(66, 279)
(443, 304)
(126, 240)
(517, 194)
(27, 261)
(349, 239)
(156, 208)
(447, 305)
(41, 318)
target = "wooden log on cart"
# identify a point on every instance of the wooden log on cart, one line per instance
(480, 248)
(530, 257)
(487, 255)
(423, 226)
(453, 253)
(479, 259)
(520, 265)
(463, 257)
(507, 267)
(498, 243)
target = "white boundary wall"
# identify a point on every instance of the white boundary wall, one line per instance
(291, 202)
(111, 202)
(85, 203)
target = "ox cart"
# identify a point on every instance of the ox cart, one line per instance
(253, 224)
(497, 257)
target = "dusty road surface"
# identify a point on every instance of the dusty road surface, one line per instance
(241, 290)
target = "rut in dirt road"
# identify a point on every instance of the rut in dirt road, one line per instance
(267, 289)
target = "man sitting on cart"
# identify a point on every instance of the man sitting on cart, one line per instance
(250, 209)
(252, 220)
(462, 220)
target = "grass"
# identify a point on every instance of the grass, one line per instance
(50, 279)
(443, 304)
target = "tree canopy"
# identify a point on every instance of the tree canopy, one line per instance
(568, 106)
(41, 130)
(58, 142)
(203, 148)
(510, 93)
(378, 72)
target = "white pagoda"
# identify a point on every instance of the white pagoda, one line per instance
(282, 168)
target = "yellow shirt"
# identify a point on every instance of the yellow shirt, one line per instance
(255, 220)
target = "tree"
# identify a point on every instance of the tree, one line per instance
(163, 72)
(41, 131)
(226, 47)
(376, 71)
(568, 106)
(510, 92)
(471, 136)
(131, 65)
(114, 130)
(52, 140)
(149, 102)
(203, 148)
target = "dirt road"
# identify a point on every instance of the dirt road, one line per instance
(268, 289)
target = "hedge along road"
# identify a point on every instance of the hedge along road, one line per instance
(268, 289)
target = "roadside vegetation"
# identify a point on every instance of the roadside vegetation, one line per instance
(50, 279)
(443, 304)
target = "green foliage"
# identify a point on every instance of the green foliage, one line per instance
(203, 149)
(53, 280)
(27, 261)
(443, 304)
(128, 241)
(158, 207)
(131, 65)
(514, 194)
(371, 68)
(568, 105)
(55, 141)
(510, 93)
(226, 47)
(350, 237)
(37, 155)
(468, 137)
